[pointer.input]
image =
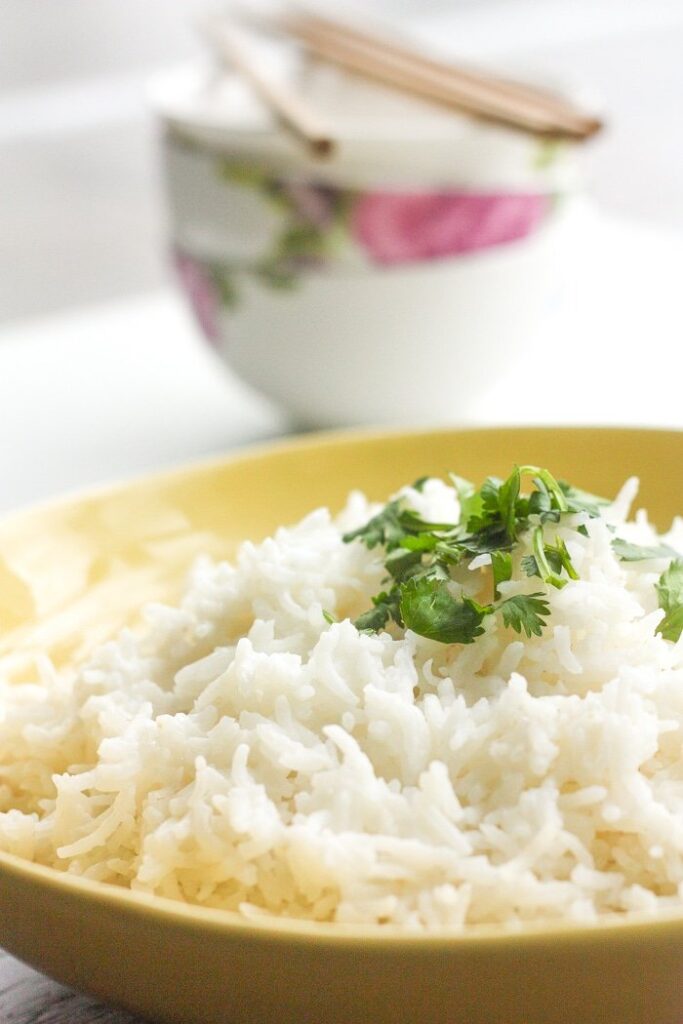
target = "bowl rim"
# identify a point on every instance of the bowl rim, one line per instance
(271, 929)
(181, 95)
(283, 930)
(453, 150)
(325, 438)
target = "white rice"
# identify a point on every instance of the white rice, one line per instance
(243, 753)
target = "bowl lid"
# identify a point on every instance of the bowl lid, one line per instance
(382, 135)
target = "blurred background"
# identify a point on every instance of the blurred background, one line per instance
(98, 343)
(82, 213)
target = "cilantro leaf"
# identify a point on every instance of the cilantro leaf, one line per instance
(556, 557)
(421, 542)
(401, 561)
(412, 520)
(670, 593)
(489, 494)
(530, 566)
(487, 511)
(468, 497)
(435, 570)
(540, 502)
(581, 501)
(551, 485)
(428, 608)
(541, 554)
(501, 563)
(507, 503)
(553, 557)
(385, 607)
(526, 612)
(671, 626)
(628, 552)
(561, 553)
(384, 528)
(504, 511)
(487, 539)
(374, 620)
(449, 551)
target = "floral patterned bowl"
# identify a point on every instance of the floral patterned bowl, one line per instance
(335, 287)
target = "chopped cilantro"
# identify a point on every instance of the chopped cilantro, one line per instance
(582, 501)
(501, 563)
(421, 542)
(468, 496)
(385, 607)
(384, 528)
(629, 552)
(400, 561)
(670, 593)
(565, 559)
(526, 612)
(551, 485)
(429, 608)
(508, 493)
(420, 556)
(412, 521)
(541, 555)
(530, 566)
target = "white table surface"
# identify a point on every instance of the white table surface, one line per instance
(111, 391)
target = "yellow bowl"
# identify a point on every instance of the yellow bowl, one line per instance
(71, 573)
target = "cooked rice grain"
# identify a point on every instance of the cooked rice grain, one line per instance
(242, 753)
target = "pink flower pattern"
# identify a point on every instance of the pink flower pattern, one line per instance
(408, 227)
(321, 225)
(200, 288)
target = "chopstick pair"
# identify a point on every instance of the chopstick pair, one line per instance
(473, 92)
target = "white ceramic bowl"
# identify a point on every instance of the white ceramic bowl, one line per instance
(375, 286)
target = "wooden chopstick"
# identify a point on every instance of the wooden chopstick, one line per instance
(475, 92)
(484, 81)
(440, 83)
(289, 106)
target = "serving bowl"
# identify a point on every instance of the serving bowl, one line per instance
(425, 224)
(73, 572)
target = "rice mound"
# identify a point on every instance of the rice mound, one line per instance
(244, 753)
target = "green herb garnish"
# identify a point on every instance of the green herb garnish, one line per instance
(582, 501)
(420, 556)
(629, 552)
(501, 564)
(428, 608)
(549, 560)
(670, 593)
(384, 528)
(526, 612)
(385, 607)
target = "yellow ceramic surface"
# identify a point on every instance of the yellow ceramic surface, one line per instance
(72, 572)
